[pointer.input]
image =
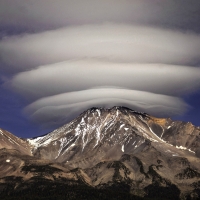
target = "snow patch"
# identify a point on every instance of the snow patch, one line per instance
(7, 160)
(145, 135)
(184, 148)
(112, 135)
(99, 113)
(12, 141)
(121, 126)
(181, 147)
(34, 141)
(123, 148)
(175, 155)
(156, 135)
(117, 112)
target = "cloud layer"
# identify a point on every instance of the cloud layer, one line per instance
(84, 74)
(100, 53)
(50, 14)
(59, 108)
(65, 89)
(112, 42)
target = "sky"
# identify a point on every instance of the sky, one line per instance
(60, 58)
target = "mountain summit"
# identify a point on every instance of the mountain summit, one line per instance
(105, 148)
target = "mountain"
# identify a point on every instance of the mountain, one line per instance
(118, 150)
(9, 141)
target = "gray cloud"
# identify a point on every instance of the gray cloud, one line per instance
(83, 74)
(58, 109)
(45, 14)
(113, 42)
(67, 12)
(81, 84)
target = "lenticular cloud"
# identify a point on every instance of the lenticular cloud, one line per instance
(99, 53)
(120, 43)
(65, 106)
(71, 87)
(80, 75)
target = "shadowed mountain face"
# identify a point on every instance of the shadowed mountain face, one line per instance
(109, 149)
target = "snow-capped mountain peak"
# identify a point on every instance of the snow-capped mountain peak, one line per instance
(116, 129)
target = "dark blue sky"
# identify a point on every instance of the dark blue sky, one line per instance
(59, 58)
(193, 113)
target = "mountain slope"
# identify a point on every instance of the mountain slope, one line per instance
(10, 141)
(111, 149)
